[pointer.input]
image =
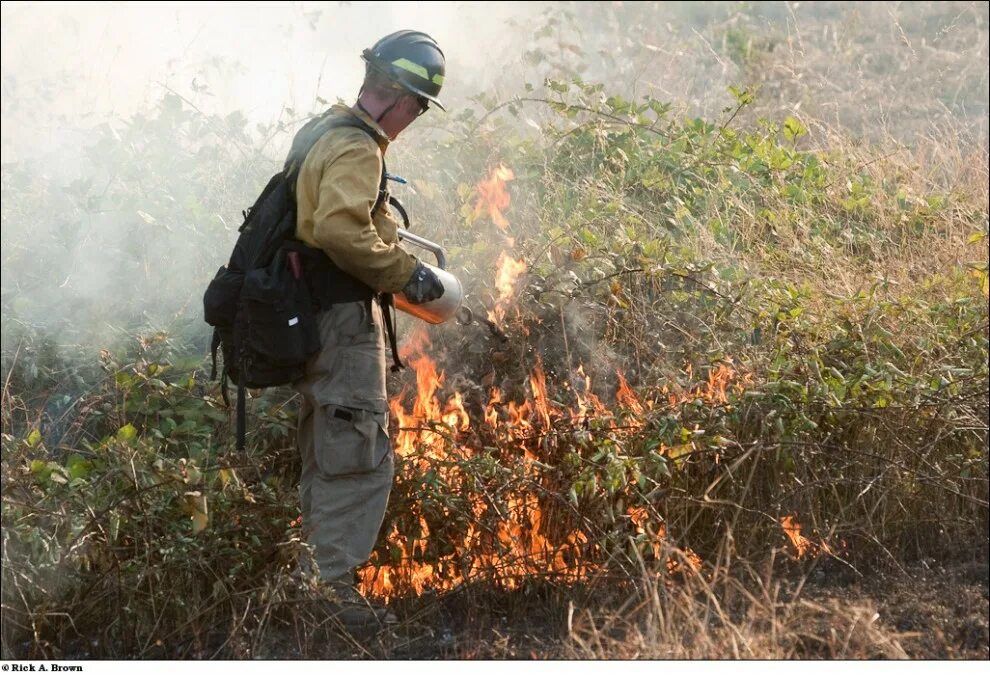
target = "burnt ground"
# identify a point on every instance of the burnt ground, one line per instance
(927, 609)
(924, 610)
(935, 611)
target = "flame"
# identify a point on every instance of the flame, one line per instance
(454, 414)
(803, 545)
(491, 410)
(492, 197)
(627, 397)
(588, 405)
(524, 543)
(508, 273)
(518, 533)
(538, 385)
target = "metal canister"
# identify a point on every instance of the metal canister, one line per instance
(443, 308)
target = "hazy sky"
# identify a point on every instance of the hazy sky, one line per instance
(80, 59)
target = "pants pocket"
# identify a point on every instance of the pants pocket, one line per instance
(353, 441)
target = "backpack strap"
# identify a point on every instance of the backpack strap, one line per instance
(388, 313)
(312, 132)
(214, 346)
(241, 416)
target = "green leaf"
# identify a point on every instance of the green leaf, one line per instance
(741, 95)
(34, 438)
(167, 426)
(127, 432)
(78, 466)
(793, 129)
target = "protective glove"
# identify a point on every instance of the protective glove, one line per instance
(422, 286)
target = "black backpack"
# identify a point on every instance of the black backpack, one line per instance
(259, 304)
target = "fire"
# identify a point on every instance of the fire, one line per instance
(588, 405)
(803, 545)
(520, 532)
(508, 273)
(524, 537)
(454, 414)
(491, 410)
(538, 385)
(492, 197)
(525, 541)
(627, 397)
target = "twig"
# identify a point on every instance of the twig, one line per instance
(571, 106)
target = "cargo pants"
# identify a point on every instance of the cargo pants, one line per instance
(347, 463)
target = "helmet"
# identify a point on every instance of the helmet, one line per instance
(412, 60)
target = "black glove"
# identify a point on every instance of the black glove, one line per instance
(422, 286)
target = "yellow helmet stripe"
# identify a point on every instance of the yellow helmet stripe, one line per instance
(438, 80)
(414, 68)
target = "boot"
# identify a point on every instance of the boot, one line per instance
(343, 603)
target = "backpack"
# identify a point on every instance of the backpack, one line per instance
(259, 304)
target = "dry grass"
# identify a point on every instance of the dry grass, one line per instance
(860, 331)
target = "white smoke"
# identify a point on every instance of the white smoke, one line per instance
(74, 64)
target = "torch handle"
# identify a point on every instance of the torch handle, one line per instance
(422, 242)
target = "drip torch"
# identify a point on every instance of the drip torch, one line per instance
(447, 306)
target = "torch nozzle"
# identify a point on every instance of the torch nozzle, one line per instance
(466, 317)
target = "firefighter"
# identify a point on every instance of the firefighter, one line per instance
(347, 463)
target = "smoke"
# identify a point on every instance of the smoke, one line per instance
(134, 134)
(132, 138)
(75, 64)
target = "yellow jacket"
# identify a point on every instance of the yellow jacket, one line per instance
(335, 191)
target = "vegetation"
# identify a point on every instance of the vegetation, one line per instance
(801, 316)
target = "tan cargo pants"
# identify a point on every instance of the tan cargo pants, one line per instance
(347, 464)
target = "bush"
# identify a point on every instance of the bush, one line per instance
(806, 339)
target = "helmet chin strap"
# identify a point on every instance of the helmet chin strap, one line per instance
(384, 112)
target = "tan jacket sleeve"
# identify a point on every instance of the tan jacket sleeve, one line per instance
(349, 168)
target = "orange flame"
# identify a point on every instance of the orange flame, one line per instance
(803, 545)
(524, 536)
(492, 197)
(588, 404)
(491, 410)
(538, 385)
(509, 271)
(627, 397)
(524, 541)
